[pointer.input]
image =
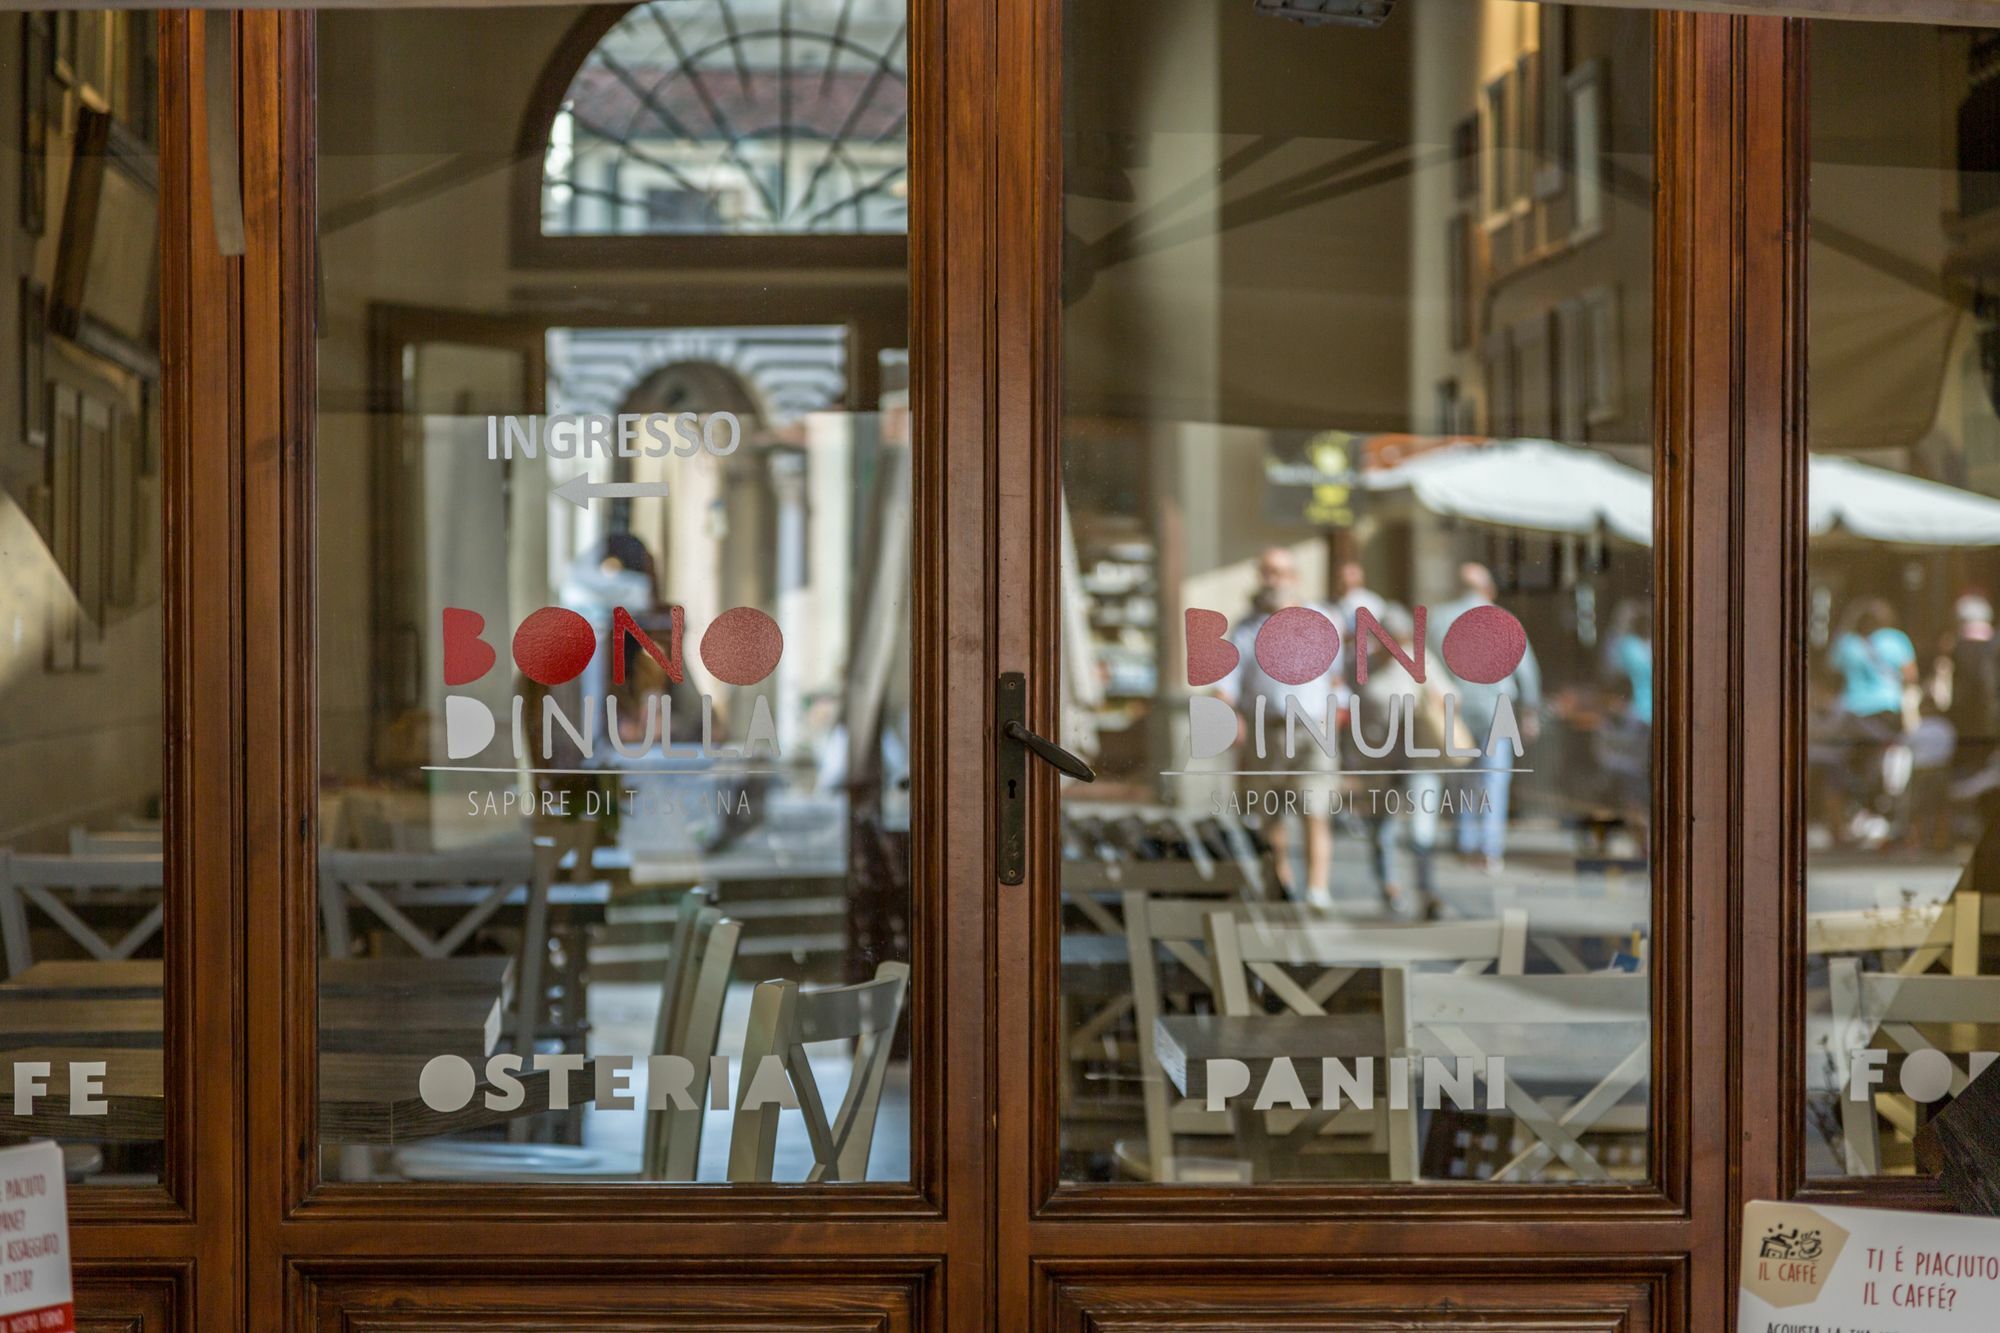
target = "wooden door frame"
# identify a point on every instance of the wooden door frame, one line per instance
(1728, 379)
(915, 1255)
(168, 1256)
(1731, 411)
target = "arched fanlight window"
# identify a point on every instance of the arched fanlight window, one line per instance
(735, 117)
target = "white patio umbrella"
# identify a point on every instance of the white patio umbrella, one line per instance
(1552, 487)
(1845, 496)
(1535, 484)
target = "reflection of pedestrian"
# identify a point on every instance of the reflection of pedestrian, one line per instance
(1377, 706)
(1309, 772)
(1876, 663)
(1482, 829)
(1390, 692)
(1625, 733)
(1629, 651)
(1975, 685)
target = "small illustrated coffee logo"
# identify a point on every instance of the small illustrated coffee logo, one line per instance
(1795, 1251)
(1783, 1242)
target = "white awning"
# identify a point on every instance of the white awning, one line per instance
(1548, 487)
(1535, 484)
(1845, 496)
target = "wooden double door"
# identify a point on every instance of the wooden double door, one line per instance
(928, 487)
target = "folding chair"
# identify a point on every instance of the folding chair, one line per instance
(70, 889)
(1548, 1032)
(1895, 1010)
(784, 1020)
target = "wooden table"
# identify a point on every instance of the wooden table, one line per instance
(118, 1004)
(91, 977)
(1094, 966)
(381, 1021)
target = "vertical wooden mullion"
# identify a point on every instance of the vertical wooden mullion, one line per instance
(1728, 551)
(277, 685)
(1026, 357)
(1769, 670)
(185, 1236)
(1694, 355)
(211, 766)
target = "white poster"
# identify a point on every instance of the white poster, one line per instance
(1867, 1270)
(34, 1224)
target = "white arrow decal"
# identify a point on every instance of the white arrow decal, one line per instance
(580, 491)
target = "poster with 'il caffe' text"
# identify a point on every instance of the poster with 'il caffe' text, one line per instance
(1866, 1270)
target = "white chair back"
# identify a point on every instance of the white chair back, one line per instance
(1923, 934)
(468, 887)
(1245, 946)
(691, 999)
(67, 890)
(1585, 1035)
(1907, 1015)
(784, 1020)
(114, 842)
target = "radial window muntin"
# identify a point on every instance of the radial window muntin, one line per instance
(737, 117)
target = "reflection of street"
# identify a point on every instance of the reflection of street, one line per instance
(1542, 858)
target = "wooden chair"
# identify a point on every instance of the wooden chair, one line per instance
(1554, 1033)
(784, 1020)
(70, 891)
(1273, 953)
(693, 992)
(1907, 1015)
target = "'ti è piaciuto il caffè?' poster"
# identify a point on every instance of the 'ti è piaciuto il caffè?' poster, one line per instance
(1866, 1270)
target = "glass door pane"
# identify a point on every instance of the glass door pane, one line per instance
(1902, 666)
(1358, 592)
(82, 701)
(614, 513)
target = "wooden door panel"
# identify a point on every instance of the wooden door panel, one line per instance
(125, 1301)
(655, 1302)
(1135, 1300)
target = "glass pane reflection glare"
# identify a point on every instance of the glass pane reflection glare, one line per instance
(613, 576)
(1357, 593)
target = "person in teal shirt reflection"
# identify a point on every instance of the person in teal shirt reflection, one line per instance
(1875, 661)
(1631, 652)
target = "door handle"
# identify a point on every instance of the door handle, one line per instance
(1049, 752)
(1012, 788)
